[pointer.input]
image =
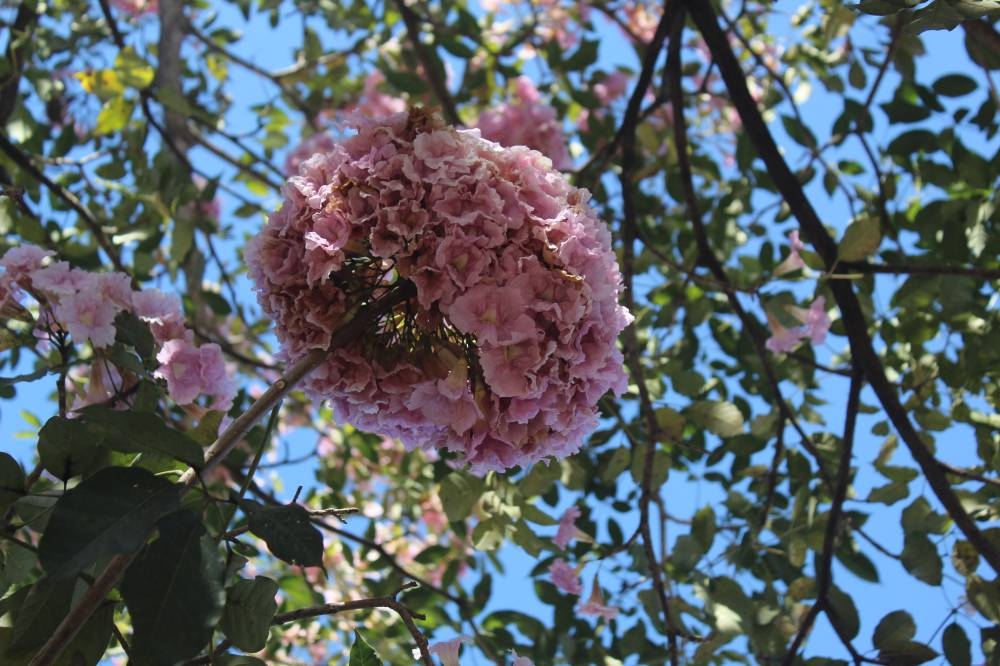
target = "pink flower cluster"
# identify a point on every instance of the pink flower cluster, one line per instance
(816, 324)
(85, 305)
(527, 122)
(509, 342)
(136, 8)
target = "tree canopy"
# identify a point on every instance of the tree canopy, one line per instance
(311, 310)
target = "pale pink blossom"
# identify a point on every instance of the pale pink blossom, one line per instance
(595, 605)
(191, 371)
(162, 312)
(567, 527)
(58, 279)
(782, 339)
(520, 661)
(793, 261)
(88, 315)
(447, 651)
(136, 8)
(21, 260)
(816, 325)
(565, 577)
(509, 341)
(527, 122)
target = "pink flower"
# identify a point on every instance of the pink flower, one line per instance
(136, 8)
(520, 661)
(19, 261)
(595, 605)
(320, 142)
(447, 651)
(89, 315)
(567, 527)
(793, 261)
(161, 311)
(565, 577)
(527, 122)
(192, 371)
(816, 325)
(58, 279)
(509, 340)
(782, 339)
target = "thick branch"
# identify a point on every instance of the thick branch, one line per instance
(855, 324)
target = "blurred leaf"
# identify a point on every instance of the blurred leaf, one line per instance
(459, 492)
(250, 607)
(114, 115)
(861, 238)
(112, 512)
(722, 418)
(66, 449)
(895, 629)
(921, 558)
(11, 480)
(139, 432)
(363, 654)
(956, 645)
(845, 610)
(173, 591)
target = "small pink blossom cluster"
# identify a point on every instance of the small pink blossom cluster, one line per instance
(85, 305)
(509, 341)
(527, 121)
(609, 89)
(815, 326)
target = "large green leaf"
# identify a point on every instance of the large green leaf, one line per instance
(722, 418)
(957, 647)
(112, 512)
(140, 432)
(895, 629)
(921, 558)
(173, 592)
(250, 607)
(47, 603)
(288, 532)
(66, 449)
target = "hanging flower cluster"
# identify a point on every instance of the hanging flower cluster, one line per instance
(527, 122)
(509, 341)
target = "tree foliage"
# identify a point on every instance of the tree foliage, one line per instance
(804, 206)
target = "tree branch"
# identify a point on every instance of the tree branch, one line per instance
(855, 324)
(429, 60)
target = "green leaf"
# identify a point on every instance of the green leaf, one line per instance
(43, 609)
(11, 480)
(289, 534)
(909, 653)
(895, 629)
(985, 596)
(87, 647)
(140, 432)
(459, 492)
(861, 238)
(112, 512)
(722, 418)
(921, 558)
(954, 85)
(670, 422)
(798, 132)
(703, 527)
(131, 330)
(956, 645)
(114, 115)
(173, 591)
(363, 654)
(250, 607)
(845, 610)
(66, 449)
(964, 557)
(133, 70)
